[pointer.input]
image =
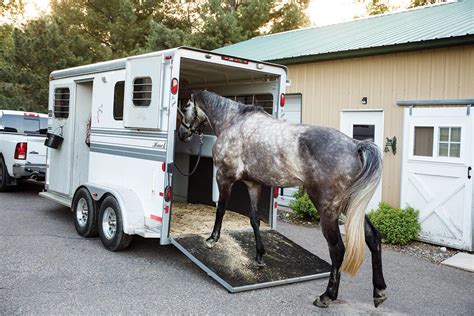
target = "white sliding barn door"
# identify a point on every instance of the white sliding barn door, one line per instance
(436, 179)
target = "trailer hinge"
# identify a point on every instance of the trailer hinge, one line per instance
(411, 110)
(468, 110)
(169, 167)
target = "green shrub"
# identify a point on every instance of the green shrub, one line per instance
(303, 207)
(397, 226)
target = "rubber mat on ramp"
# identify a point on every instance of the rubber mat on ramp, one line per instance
(231, 261)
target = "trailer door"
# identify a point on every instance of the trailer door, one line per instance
(143, 92)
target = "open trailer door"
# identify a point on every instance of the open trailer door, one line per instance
(231, 261)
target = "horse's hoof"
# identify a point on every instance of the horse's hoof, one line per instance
(324, 303)
(259, 264)
(210, 242)
(380, 297)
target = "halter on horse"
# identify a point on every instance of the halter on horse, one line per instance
(339, 174)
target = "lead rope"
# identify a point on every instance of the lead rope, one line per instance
(197, 162)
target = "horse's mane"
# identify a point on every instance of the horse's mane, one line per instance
(213, 98)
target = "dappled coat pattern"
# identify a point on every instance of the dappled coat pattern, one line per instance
(339, 173)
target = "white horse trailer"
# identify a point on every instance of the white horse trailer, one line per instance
(115, 167)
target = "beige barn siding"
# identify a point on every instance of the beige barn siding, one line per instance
(331, 86)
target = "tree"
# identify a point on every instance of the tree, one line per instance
(377, 7)
(119, 26)
(11, 7)
(219, 23)
(419, 3)
(79, 32)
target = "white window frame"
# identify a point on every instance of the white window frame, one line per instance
(436, 156)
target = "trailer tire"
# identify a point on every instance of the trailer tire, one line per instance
(4, 176)
(111, 226)
(85, 213)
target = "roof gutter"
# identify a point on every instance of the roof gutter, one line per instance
(389, 49)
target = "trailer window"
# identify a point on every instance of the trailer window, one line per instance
(142, 91)
(118, 100)
(61, 102)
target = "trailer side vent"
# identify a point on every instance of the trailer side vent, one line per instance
(142, 91)
(61, 102)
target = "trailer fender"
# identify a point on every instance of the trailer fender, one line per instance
(130, 206)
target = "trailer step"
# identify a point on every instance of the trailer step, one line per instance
(231, 261)
(66, 201)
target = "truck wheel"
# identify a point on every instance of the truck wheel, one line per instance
(85, 213)
(111, 226)
(3, 176)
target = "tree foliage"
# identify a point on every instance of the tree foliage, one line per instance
(419, 3)
(78, 32)
(376, 7)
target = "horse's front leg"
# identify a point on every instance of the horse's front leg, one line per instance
(373, 241)
(254, 193)
(225, 188)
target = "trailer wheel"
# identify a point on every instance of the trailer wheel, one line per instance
(4, 177)
(111, 226)
(85, 213)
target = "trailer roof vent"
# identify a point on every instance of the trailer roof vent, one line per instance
(61, 102)
(142, 91)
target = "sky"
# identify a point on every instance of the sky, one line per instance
(321, 12)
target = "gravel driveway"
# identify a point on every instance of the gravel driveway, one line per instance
(46, 268)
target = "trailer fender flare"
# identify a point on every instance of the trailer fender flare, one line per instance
(130, 205)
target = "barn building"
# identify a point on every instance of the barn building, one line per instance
(405, 80)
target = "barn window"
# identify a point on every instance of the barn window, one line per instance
(142, 91)
(423, 141)
(363, 132)
(449, 142)
(118, 100)
(61, 102)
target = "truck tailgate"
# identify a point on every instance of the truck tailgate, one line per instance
(36, 151)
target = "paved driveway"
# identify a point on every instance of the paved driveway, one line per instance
(46, 268)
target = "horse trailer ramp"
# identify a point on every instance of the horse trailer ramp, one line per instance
(231, 261)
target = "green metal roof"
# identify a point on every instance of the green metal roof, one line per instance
(432, 26)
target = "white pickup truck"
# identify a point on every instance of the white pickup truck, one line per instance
(22, 149)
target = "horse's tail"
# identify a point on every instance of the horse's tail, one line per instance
(358, 197)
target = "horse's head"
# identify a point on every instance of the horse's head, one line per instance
(192, 121)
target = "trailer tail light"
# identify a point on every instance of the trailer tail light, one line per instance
(163, 166)
(31, 114)
(174, 86)
(20, 151)
(168, 193)
(282, 100)
(275, 192)
(235, 60)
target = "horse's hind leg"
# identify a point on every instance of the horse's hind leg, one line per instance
(254, 193)
(225, 189)
(330, 228)
(373, 240)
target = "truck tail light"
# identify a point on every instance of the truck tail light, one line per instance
(20, 151)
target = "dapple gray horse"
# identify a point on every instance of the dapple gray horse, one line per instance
(340, 174)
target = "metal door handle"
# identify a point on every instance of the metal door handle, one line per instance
(469, 172)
